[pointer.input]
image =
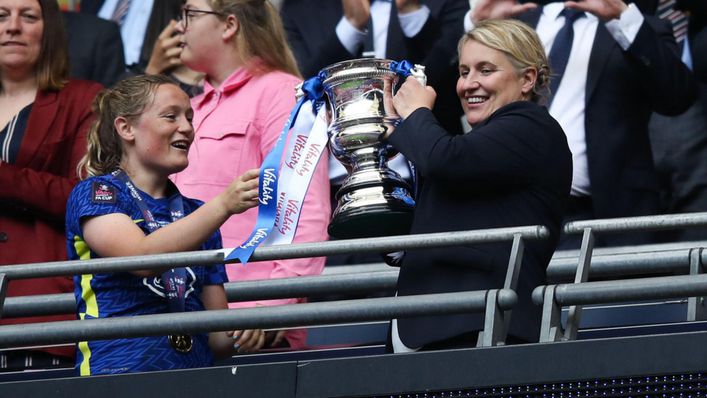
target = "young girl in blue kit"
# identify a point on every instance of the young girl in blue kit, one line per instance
(127, 206)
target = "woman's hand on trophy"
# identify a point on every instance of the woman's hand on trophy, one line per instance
(411, 96)
(388, 105)
(357, 12)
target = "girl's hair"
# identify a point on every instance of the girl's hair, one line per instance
(521, 45)
(52, 67)
(128, 98)
(261, 33)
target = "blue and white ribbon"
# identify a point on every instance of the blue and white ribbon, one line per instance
(269, 180)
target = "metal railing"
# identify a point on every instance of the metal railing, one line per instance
(552, 330)
(495, 303)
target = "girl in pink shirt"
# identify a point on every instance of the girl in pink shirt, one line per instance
(249, 92)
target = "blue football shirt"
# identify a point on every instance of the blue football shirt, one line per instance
(124, 294)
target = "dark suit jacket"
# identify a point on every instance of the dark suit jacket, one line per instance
(34, 190)
(623, 88)
(514, 169)
(311, 31)
(95, 48)
(162, 12)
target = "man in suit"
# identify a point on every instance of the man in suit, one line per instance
(680, 142)
(141, 27)
(95, 48)
(623, 66)
(421, 31)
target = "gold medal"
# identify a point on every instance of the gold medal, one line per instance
(180, 342)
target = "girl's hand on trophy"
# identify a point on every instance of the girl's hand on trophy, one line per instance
(411, 96)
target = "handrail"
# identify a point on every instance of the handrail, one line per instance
(554, 297)
(605, 263)
(624, 264)
(265, 289)
(299, 250)
(643, 223)
(603, 292)
(308, 314)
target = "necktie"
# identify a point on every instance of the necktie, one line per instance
(666, 10)
(121, 10)
(561, 48)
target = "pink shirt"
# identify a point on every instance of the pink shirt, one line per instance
(236, 126)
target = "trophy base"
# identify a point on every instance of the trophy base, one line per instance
(370, 222)
(372, 211)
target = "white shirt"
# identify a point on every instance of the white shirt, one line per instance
(351, 38)
(133, 29)
(411, 23)
(568, 106)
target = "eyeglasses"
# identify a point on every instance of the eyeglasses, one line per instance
(188, 13)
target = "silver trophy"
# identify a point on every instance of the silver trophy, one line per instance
(373, 200)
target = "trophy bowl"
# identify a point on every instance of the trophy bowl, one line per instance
(373, 199)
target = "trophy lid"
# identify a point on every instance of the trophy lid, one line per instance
(356, 69)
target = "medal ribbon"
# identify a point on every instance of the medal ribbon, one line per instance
(173, 281)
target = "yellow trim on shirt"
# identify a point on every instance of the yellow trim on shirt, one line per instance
(89, 297)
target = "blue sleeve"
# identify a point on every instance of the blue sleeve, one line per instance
(215, 274)
(95, 197)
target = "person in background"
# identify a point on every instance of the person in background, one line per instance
(514, 168)
(150, 41)
(95, 48)
(44, 117)
(679, 142)
(141, 135)
(620, 65)
(249, 92)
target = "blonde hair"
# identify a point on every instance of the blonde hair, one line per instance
(261, 33)
(128, 98)
(521, 45)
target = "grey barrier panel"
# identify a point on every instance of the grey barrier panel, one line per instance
(514, 365)
(386, 375)
(308, 314)
(663, 287)
(644, 223)
(299, 250)
(274, 380)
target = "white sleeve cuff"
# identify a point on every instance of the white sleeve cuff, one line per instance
(468, 24)
(350, 37)
(412, 22)
(625, 29)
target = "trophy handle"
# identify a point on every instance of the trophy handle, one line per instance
(418, 72)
